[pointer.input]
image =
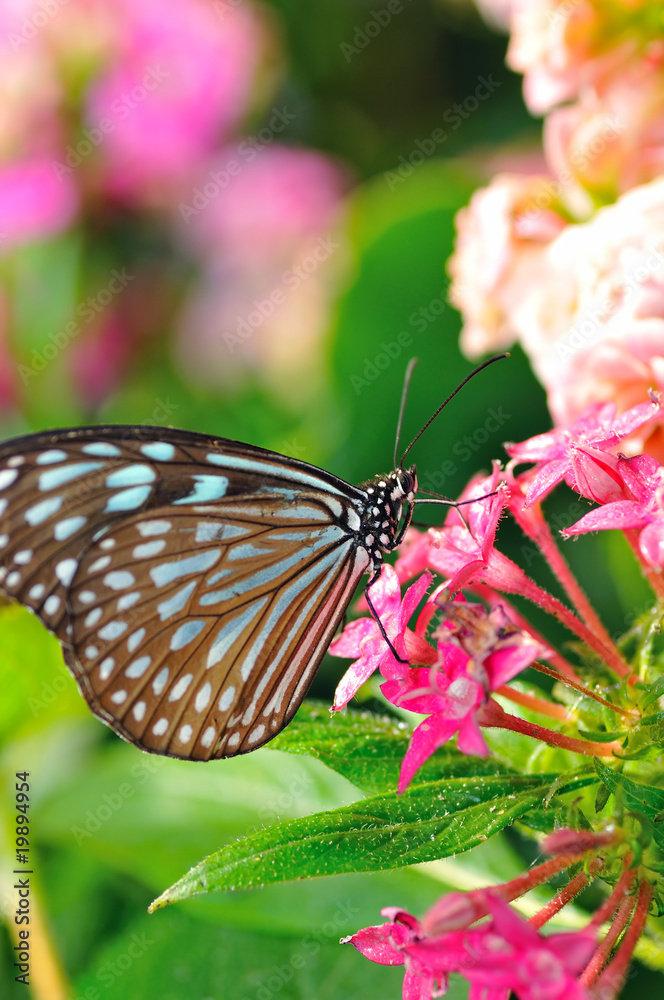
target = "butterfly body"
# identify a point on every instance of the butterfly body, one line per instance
(194, 582)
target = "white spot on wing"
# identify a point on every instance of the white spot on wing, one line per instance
(106, 668)
(226, 699)
(138, 667)
(147, 528)
(148, 549)
(202, 699)
(112, 631)
(129, 499)
(68, 527)
(167, 572)
(207, 739)
(161, 451)
(41, 511)
(176, 602)
(206, 488)
(180, 687)
(53, 455)
(119, 579)
(101, 448)
(159, 683)
(160, 727)
(186, 633)
(65, 571)
(185, 734)
(131, 475)
(138, 711)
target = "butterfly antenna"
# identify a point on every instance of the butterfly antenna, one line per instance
(475, 371)
(404, 396)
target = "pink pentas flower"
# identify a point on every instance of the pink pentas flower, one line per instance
(34, 204)
(362, 637)
(463, 550)
(505, 953)
(643, 479)
(499, 649)
(385, 945)
(450, 696)
(583, 454)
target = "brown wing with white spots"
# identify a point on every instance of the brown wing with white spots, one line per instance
(197, 635)
(264, 557)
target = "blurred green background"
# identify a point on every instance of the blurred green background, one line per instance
(111, 827)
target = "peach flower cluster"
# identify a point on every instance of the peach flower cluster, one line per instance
(571, 264)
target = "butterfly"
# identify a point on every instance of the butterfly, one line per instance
(193, 581)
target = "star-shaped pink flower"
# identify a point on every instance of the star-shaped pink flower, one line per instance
(643, 483)
(559, 453)
(362, 637)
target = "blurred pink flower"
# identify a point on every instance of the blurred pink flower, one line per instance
(563, 47)
(593, 325)
(612, 139)
(501, 238)
(267, 231)
(100, 358)
(34, 204)
(180, 81)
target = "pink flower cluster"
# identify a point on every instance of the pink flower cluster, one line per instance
(479, 646)
(572, 264)
(506, 954)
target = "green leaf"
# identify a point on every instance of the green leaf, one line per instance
(601, 736)
(428, 822)
(656, 691)
(645, 799)
(368, 749)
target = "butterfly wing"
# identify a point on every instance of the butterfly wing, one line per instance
(195, 582)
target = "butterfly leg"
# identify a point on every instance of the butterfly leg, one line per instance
(376, 617)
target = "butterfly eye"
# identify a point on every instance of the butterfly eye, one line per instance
(406, 482)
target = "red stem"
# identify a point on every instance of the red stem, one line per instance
(536, 704)
(612, 979)
(514, 580)
(493, 716)
(559, 566)
(566, 895)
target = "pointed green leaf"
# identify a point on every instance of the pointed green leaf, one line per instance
(645, 799)
(429, 821)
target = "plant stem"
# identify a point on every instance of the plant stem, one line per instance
(493, 716)
(625, 712)
(542, 537)
(536, 704)
(566, 895)
(613, 978)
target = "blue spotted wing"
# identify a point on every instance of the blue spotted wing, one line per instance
(194, 582)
